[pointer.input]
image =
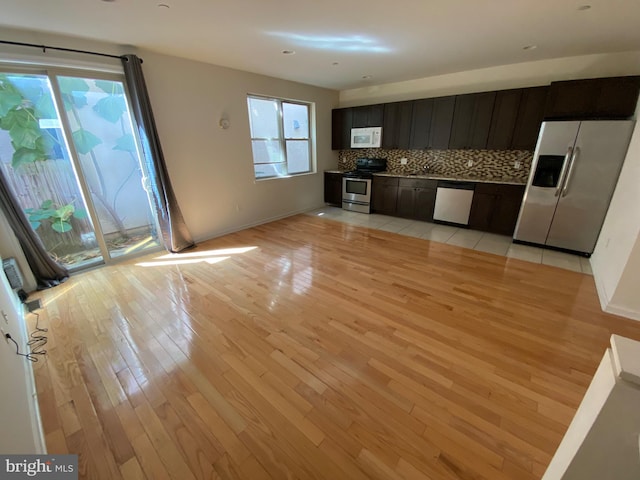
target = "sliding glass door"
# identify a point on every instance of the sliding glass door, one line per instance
(68, 152)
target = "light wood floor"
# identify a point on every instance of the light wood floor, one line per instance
(325, 351)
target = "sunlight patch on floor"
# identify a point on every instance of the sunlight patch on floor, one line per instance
(208, 256)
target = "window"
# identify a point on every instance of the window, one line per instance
(280, 137)
(69, 154)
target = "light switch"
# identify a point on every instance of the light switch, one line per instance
(403, 161)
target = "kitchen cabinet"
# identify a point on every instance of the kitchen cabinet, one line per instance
(495, 207)
(396, 126)
(503, 119)
(344, 119)
(416, 198)
(431, 123)
(367, 116)
(421, 123)
(384, 195)
(333, 188)
(601, 98)
(529, 119)
(341, 120)
(441, 120)
(472, 120)
(517, 116)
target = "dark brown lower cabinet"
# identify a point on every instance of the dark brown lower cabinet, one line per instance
(495, 207)
(333, 188)
(384, 195)
(416, 198)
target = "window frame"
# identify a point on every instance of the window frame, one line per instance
(282, 139)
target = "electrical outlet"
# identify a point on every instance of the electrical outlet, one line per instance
(516, 164)
(403, 161)
(469, 163)
(4, 335)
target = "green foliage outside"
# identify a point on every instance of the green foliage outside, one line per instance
(24, 103)
(58, 216)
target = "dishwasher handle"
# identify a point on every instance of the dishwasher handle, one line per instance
(456, 185)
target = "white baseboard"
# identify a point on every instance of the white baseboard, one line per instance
(256, 223)
(623, 312)
(607, 306)
(602, 291)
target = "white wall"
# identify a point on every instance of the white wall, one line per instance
(211, 169)
(517, 75)
(21, 431)
(602, 439)
(616, 258)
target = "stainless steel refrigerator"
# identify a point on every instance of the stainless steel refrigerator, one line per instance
(574, 172)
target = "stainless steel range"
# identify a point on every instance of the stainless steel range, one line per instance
(356, 184)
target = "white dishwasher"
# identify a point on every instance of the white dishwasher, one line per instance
(453, 202)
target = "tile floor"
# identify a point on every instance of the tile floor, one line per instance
(485, 242)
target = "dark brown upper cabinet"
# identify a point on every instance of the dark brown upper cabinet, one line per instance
(503, 120)
(341, 120)
(530, 115)
(441, 121)
(472, 120)
(517, 115)
(421, 124)
(431, 124)
(596, 98)
(368, 116)
(396, 127)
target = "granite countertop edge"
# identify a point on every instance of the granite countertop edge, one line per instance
(436, 176)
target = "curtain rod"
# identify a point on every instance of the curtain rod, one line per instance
(45, 47)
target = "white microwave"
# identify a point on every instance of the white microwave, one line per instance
(369, 137)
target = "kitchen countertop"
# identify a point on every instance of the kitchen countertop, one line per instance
(477, 178)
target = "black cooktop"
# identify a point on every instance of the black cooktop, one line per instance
(366, 167)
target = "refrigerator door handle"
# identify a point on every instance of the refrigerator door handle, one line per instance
(565, 164)
(574, 157)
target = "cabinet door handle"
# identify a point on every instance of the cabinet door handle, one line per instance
(574, 158)
(565, 164)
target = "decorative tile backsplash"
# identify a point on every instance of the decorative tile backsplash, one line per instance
(485, 163)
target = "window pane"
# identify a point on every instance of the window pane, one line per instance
(37, 167)
(263, 116)
(298, 156)
(266, 151)
(296, 120)
(103, 137)
(270, 170)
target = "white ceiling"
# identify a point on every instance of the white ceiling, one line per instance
(390, 40)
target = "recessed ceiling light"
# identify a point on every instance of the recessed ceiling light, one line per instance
(530, 47)
(366, 77)
(163, 5)
(584, 7)
(288, 52)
